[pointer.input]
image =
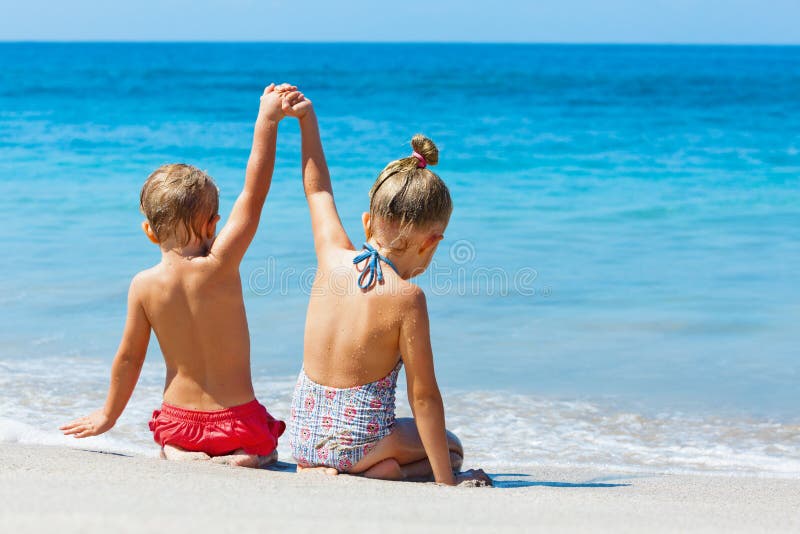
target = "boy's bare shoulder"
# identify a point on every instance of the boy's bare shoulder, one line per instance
(143, 280)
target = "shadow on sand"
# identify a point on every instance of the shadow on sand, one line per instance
(500, 479)
(109, 453)
(604, 482)
(283, 467)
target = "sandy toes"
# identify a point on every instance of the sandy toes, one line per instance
(176, 454)
(238, 458)
(321, 469)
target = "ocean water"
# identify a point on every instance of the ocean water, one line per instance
(617, 286)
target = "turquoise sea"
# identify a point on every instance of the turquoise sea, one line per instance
(618, 285)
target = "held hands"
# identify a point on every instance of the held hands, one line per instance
(272, 100)
(284, 100)
(295, 104)
(93, 424)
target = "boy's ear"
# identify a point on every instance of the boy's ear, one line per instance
(211, 229)
(148, 231)
(365, 221)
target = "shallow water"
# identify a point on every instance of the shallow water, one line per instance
(617, 284)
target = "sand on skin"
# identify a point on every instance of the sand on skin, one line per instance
(52, 489)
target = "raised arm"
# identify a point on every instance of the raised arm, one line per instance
(325, 223)
(124, 373)
(423, 391)
(239, 230)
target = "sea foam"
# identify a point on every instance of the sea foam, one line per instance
(499, 430)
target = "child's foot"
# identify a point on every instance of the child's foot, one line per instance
(474, 478)
(176, 454)
(387, 469)
(239, 458)
(268, 460)
(236, 459)
(320, 469)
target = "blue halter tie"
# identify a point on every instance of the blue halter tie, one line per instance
(372, 267)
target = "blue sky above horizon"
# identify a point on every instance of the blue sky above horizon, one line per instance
(564, 21)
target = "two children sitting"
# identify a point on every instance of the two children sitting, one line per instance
(356, 340)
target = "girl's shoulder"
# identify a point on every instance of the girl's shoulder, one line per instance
(410, 295)
(336, 259)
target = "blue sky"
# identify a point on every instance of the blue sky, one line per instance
(617, 21)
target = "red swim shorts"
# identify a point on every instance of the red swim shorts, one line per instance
(249, 427)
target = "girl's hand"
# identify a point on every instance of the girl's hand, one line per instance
(93, 424)
(295, 104)
(271, 101)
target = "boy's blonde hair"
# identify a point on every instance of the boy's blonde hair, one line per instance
(408, 193)
(178, 199)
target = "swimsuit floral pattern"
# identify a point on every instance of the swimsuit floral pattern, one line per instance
(336, 427)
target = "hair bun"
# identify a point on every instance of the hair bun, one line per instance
(426, 148)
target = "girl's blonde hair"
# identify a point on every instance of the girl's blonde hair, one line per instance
(408, 194)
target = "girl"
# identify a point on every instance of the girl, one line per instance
(365, 321)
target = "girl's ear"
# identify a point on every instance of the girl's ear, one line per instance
(365, 220)
(431, 241)
(211, 229)
(148, 231)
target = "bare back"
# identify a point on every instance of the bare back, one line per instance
(193, 299)
(352, 335)
(197, 312)
(355, 337)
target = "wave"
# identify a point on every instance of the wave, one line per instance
(499, 430)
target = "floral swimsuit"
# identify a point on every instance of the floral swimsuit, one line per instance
(336, 427)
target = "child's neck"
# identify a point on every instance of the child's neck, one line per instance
(194, 249)
(405, 261)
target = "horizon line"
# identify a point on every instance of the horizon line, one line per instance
(376, 42)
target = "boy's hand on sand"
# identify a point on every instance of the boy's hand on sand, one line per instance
(271, 101)
(295, 104)
(93, 424)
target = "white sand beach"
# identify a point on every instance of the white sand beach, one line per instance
(57, 489)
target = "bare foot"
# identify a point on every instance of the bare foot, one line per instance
(319, 469)
(176, 454)
(239, 458)
(387, 469)
(474, 478)
(266, 461)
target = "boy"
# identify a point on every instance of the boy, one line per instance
(193, 301)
